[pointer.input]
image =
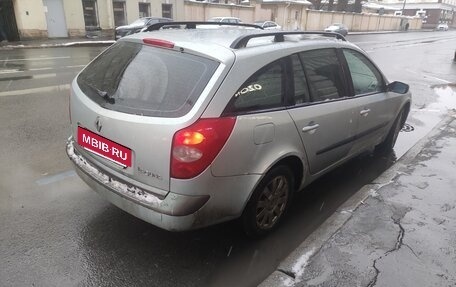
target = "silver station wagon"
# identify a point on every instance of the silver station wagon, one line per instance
(189, 127)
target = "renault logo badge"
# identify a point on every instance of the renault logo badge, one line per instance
(98, 125)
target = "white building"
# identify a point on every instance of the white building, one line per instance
(24, 19)
(432, 12)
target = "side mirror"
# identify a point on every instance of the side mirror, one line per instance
(398, 87)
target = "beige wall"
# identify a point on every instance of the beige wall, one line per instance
(318, 20)
(203, 11)
(285, 14)
(133, 10)
(30, 19)
(132, 7)
(74, 18)
(105, 14)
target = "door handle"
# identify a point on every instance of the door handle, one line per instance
(310, 128)
(364, 112)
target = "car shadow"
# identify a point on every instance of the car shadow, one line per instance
(120, 249)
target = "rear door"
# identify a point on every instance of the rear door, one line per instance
(130, 101)
(323, 114)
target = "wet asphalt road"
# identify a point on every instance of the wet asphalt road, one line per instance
(54, 231)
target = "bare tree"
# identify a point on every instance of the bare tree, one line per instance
(316, 4)
(357, 7)
(342, 5)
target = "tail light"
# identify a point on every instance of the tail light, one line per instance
(195, 147)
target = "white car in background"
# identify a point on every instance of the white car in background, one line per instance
(268, 25)
(442, 27)
(225, 20)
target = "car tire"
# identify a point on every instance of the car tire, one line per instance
(269, 202)
(388, 144)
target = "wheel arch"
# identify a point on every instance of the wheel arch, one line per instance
(406, 110)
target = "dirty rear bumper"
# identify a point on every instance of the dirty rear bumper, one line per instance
(174, 212)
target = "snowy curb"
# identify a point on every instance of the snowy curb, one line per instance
(69, 44)
(290, 270)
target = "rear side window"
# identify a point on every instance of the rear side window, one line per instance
(139, 79)
(301, 92)
(324, 74)
(263, 90)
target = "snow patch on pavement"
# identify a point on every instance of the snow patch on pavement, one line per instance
(298, 268)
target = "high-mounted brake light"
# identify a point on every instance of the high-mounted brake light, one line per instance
(195, 147)
(158, 43)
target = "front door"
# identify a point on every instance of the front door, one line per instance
(55, 18)
(370, 98)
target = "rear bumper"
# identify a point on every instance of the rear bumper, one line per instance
(175, 212)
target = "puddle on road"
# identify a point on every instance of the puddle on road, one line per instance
(422, 120)
(446, 97)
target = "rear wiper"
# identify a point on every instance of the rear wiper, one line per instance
(103, 94)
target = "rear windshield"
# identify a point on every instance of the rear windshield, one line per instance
(139, 79)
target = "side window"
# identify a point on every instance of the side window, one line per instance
(263, 90)
(366, 78)
(301, 91)
(324, 74)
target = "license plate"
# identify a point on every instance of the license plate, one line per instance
(104, 147)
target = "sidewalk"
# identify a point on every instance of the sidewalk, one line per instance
(398, 231)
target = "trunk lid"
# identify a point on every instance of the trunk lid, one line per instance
(127, 104)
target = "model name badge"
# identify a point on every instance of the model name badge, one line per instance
(149, 173)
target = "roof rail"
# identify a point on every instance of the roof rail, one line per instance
(242, 41)
(192, 25)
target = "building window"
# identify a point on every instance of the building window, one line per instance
(90, 13)
(144, 10)
(167, 10)
(119, 13)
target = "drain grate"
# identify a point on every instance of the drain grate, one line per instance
(407, 128)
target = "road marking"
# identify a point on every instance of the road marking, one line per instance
(13, 71)
(9, 71)
(426, 110)
(44, 76)
(57, 88)
(55, 178)
(35, 59)
(76, 66)
(428, 76)
(38, 69)
(438, 79)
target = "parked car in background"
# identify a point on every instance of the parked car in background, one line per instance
(268, 25)
(442, 27)
(225, 20)
(185, 135)
(138, 25)
(337, 28)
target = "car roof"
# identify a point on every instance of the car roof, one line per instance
(216, 43)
